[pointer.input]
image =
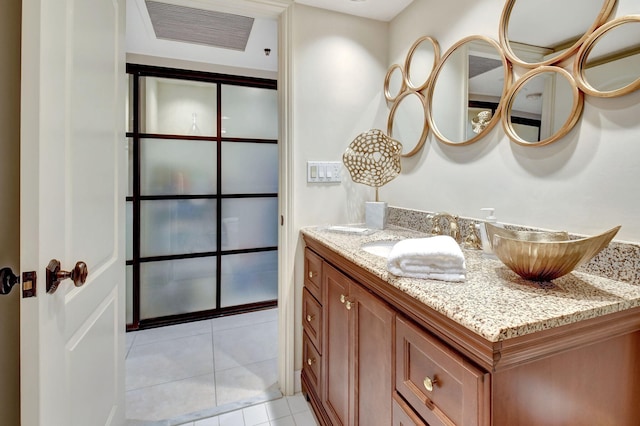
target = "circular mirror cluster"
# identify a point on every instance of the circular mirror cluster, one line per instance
(403, 89)
(464, 94)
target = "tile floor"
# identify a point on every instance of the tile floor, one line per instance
(190, 371)
(287, 411)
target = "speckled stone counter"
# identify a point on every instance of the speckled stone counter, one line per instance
(493, 302)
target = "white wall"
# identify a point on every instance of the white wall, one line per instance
(587, 182)
(339, 65)
(10, 218)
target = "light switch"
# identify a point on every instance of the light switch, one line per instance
(323, 171)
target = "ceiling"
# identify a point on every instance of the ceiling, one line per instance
(381, 10)
(141, 36)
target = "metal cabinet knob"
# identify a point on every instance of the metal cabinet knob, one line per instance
(310, 361)
(309, 318)
(54, 275)
(348, 305)
(429, 382)
(312, 274)
(343, 298)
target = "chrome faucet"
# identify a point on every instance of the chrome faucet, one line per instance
(454, 230)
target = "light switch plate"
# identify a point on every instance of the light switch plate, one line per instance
(324, 171)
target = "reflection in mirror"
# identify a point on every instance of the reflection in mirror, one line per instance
(545, 32)
(542, 106)
(407, 122)
(471, 79)
(394, 83)
(608, 64)
(421, 59)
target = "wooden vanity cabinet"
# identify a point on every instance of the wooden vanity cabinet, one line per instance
(377, 346)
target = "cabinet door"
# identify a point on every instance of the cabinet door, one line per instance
(373, 323)
(336, 353)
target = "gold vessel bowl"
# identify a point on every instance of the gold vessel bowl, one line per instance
(544, 256)
(542, 236)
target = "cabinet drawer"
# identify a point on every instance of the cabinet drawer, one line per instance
(311, 362)
(439, 383)
(312, 318)
(313, 274)
(403, 415)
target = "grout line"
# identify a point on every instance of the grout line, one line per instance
(169, 381)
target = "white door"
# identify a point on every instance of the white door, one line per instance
(72, 209)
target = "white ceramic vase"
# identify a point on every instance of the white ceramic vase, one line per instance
(375, 213)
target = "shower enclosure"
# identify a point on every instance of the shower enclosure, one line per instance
(202, 204)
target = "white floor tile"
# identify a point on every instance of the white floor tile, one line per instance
(305, 418)
(172, 399)
(255, 415)
(171, 332)
(297, 403)
(234, 418)
(277, 409)
(212, 421)
(246, 382)
(245, 345)
(283, 421)
(129, 338)
(250, 318)
(170, 370)
(168, 360)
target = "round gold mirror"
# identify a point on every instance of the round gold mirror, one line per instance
(394, 83)
(421, 59)
(608, 63)
(544, 32)
(468, 87)
(542, 106)
(407, 122)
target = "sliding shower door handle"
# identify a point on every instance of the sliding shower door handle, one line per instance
(7, 279)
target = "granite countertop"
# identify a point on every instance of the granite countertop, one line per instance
(493, 302)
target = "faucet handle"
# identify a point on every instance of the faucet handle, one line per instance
(472, 240)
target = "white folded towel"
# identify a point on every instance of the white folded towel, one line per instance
(438, 258)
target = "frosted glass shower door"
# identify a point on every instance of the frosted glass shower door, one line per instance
(202, 208)
(178, 218)
(249, 209)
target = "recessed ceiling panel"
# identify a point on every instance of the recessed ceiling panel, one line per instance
(191, 25)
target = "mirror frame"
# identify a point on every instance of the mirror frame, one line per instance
(425, 128)
(407, 63)
(580, 63)
(508, 76)
(574, 115)
(605, 13)
(387, 80)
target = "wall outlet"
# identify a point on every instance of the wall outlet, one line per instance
(324, 171)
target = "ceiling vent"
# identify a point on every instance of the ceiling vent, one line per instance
(479, 65)
(190, 25)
